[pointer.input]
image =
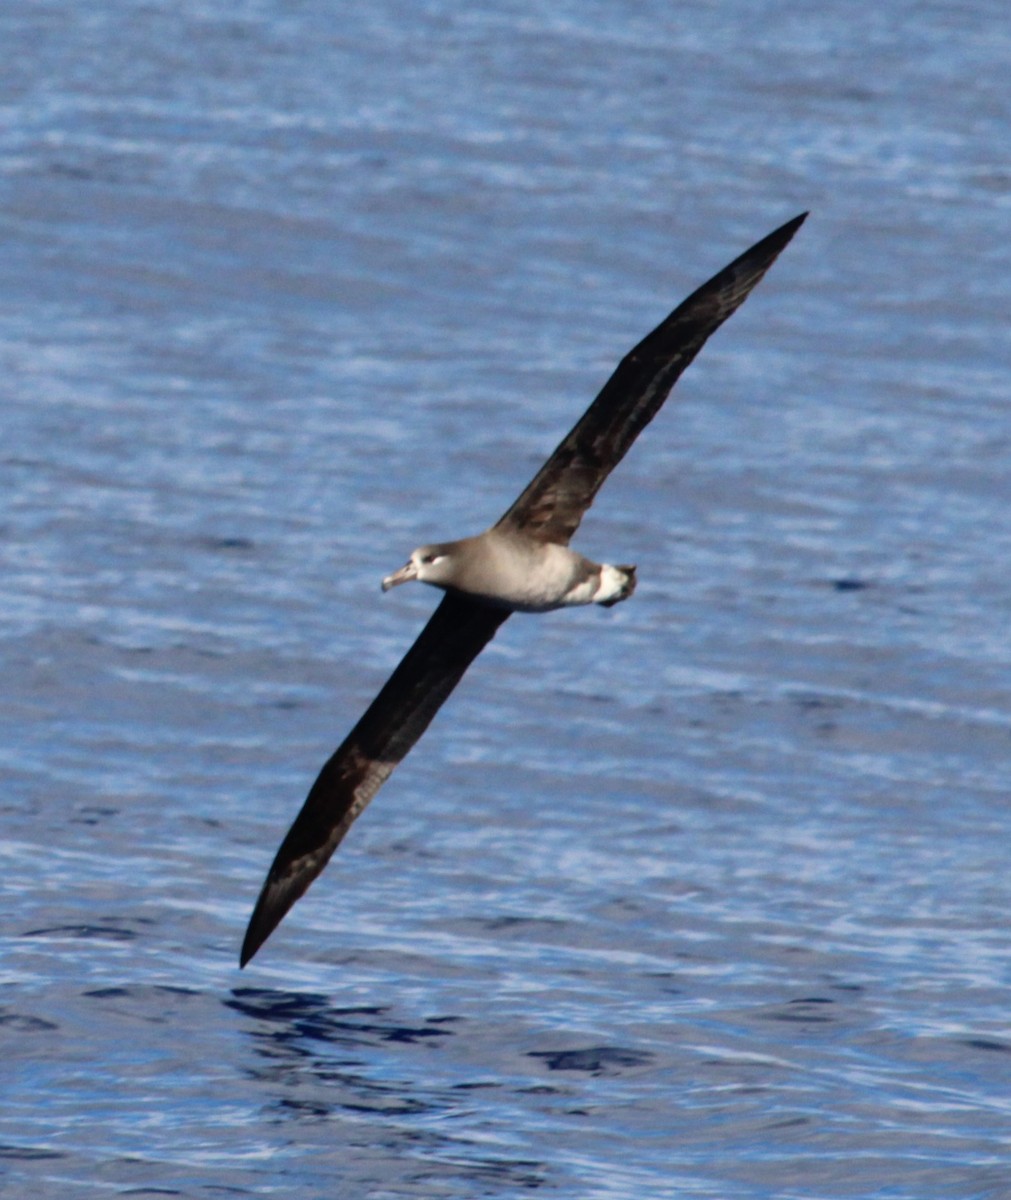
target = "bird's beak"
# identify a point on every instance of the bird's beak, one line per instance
(406, 573)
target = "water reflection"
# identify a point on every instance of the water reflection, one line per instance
(324, 1062)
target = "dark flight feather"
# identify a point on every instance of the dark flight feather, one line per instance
(457, 632)
(553, 503)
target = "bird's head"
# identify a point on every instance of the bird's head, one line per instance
(427, 564)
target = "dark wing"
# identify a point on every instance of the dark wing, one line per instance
(553, 504)
(457, 632)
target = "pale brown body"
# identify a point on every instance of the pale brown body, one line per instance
(505, 569)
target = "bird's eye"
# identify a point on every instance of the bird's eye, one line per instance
(430, 558)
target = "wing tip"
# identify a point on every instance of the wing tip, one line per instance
(273, 904)
(773, 243)
(737, 280)
(785, 232)
(257, 932)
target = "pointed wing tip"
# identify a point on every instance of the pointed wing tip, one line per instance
(271, 907)
(257, 933)
(785, 232)
(778, 239)
(741, 276)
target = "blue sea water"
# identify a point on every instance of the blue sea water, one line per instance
(704, 896)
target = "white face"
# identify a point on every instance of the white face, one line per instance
(427, 564)
(426, 557)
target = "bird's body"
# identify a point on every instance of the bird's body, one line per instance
(523, 563)
(502, 568)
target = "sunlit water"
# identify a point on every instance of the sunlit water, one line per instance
(704, 896)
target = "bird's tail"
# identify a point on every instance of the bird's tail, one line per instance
(625, 579)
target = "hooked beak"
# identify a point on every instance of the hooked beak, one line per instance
(406, 573)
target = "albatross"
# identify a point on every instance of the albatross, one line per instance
(523, 563)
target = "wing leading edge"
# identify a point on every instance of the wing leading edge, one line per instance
(553, 503)
(457, 632)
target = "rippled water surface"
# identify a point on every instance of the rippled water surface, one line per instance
(704, 896)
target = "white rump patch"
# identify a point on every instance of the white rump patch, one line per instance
(613, 584)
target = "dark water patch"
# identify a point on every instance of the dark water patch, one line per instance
(483, 1173)
(229, 543)
(29, 1153)
(146, 1191)
(292, 1018)
(813, 1010)
(510, 923)
(139, 992)
(992, 1045)
(592, 1060)
(22, 1024)
(850, 583)
(815, 703)
(94, 814)
(110, 932)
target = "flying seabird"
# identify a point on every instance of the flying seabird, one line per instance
(521, 564)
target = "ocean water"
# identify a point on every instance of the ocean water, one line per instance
(703, 896)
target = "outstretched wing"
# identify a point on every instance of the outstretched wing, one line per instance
(457, 632)
(549, 510)
(554, 502)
